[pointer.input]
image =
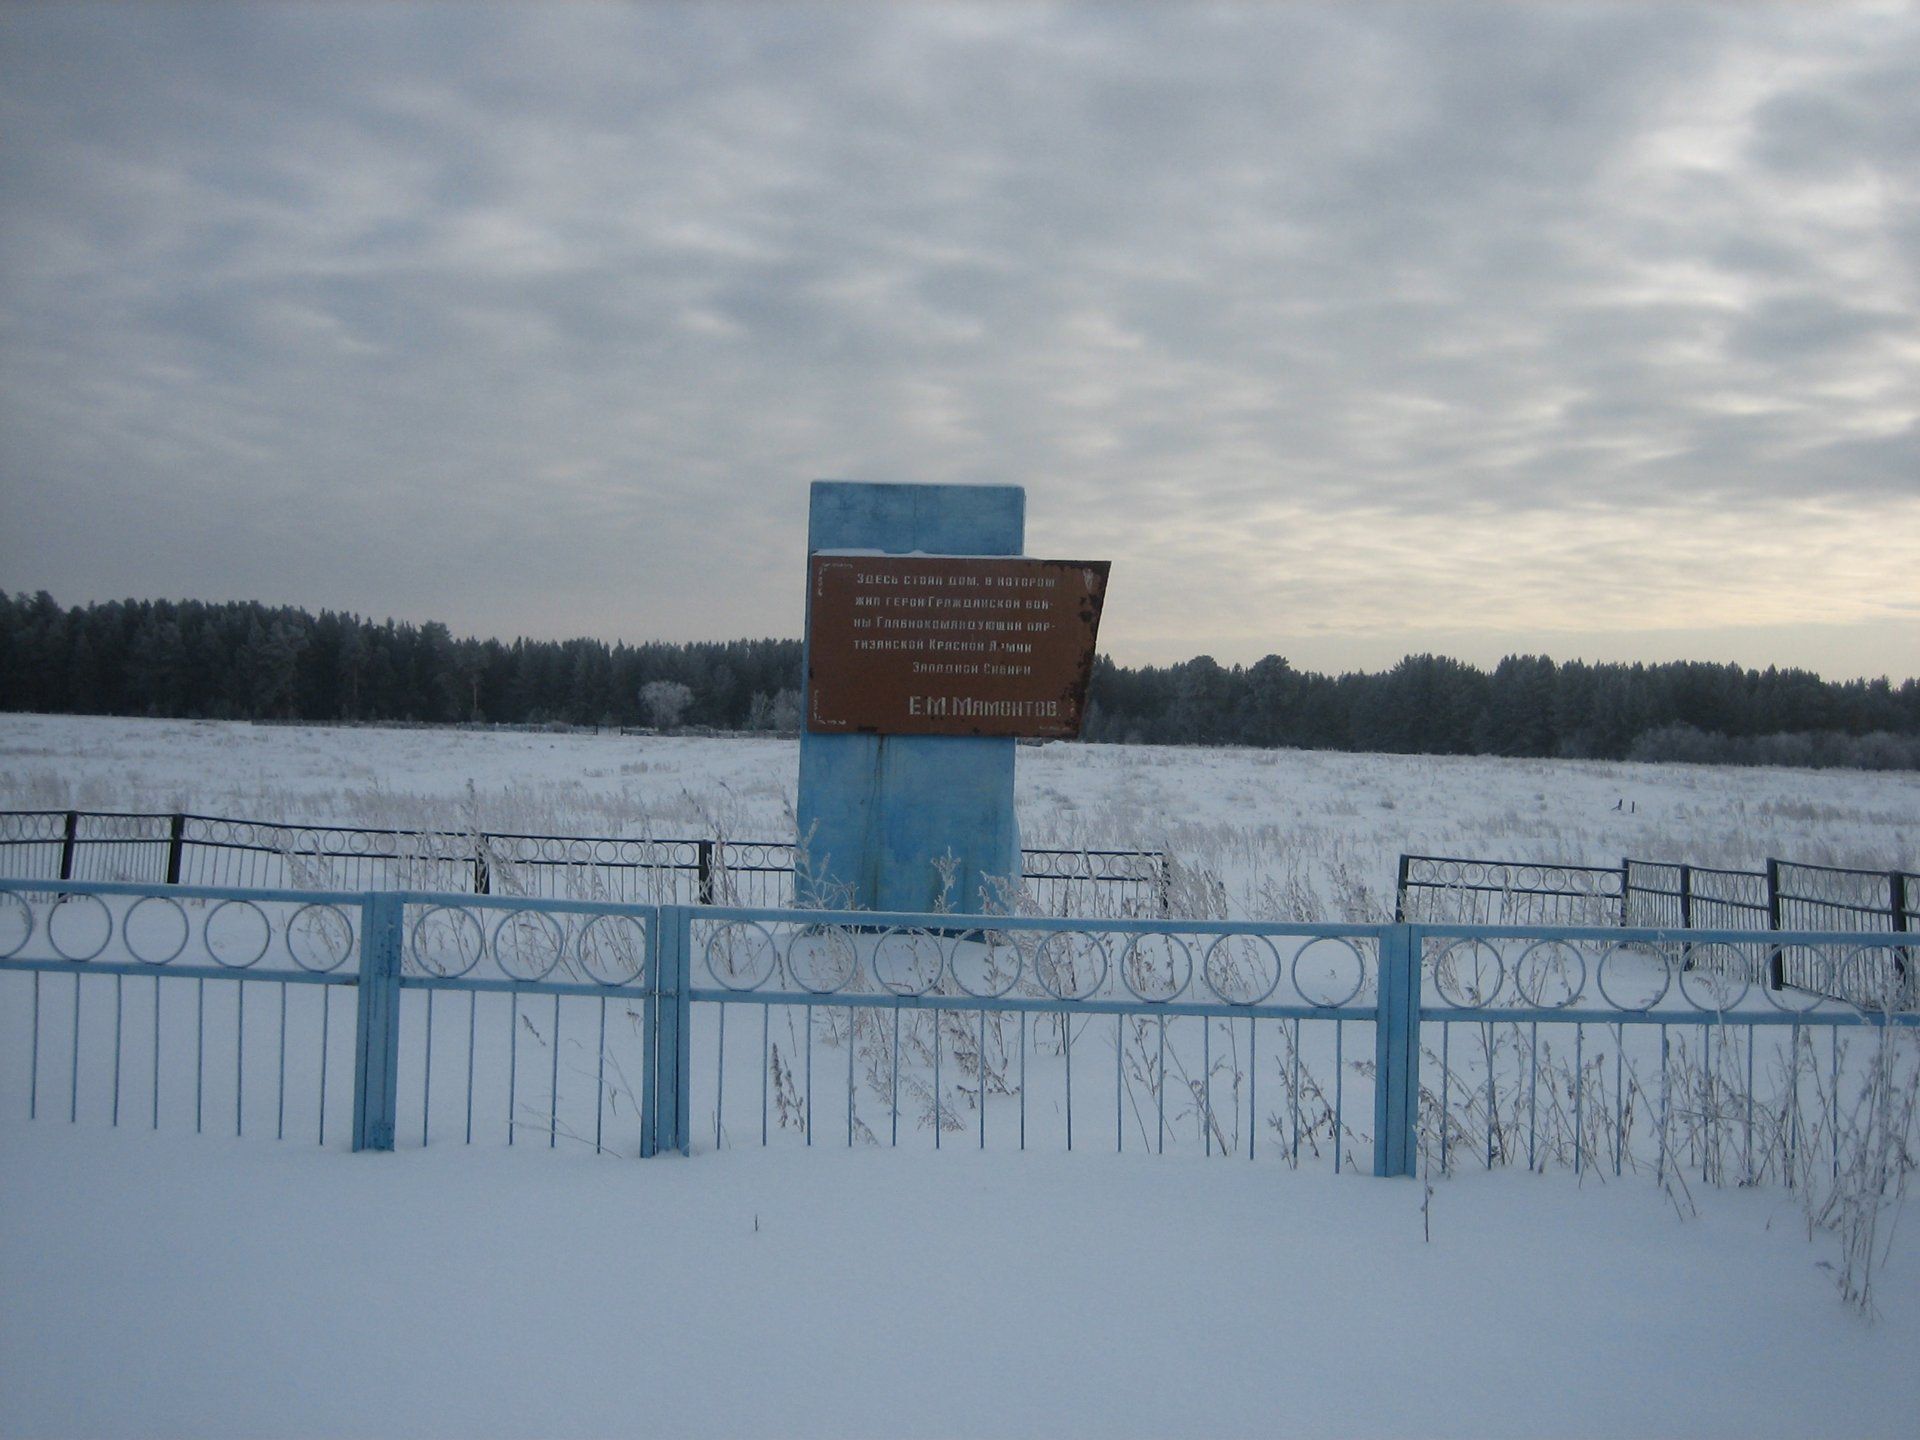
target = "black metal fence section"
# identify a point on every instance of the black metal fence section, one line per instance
(1674, 895)
(187, 849)
(1441, 888)
(1693, 897)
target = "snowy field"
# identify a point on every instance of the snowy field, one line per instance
(198, 1284)
(1302, 835)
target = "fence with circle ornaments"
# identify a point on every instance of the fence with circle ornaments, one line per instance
(185, 848)
(641, 1029)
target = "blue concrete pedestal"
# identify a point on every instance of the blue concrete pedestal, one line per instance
(879, 812)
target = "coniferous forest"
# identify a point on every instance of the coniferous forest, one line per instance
(244, 660)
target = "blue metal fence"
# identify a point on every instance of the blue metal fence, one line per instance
(608, 1024)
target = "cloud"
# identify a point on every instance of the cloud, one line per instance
(1421, 318)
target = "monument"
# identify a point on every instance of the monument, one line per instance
(932, 645)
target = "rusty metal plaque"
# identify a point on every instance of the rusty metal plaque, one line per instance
(950, 645)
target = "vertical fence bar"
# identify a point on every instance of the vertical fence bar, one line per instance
(704, 871)
(553, 1081)
(33, 1070)
(1897, 922)
(376, 1061)
(1400, 891)
(473, 1013)
(326, 1022)
(1776, 976)
(239, 1054)
(683, 1024)
(117, 1003)
(199, 1051)
(66, 844)
(73, 1082)
(1579, 1093)
(1686, 913)
(176, 835)
(661, 965)
(156, 1041)
(668, 1102)
(1626, 891)
(719, 1071)
(1396, 1042)
(1206, 1083)
(482, 876)
(513, 1062)
(426, 1078)
(280, 1086)
(981, 1073)
(1253, 1081)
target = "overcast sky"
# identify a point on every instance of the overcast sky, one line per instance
(1342, 333)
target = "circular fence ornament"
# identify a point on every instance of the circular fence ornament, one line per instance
(1869, 980)
(1714, 977)
(319, 938)
(528, 944)
(1550, 974)
(987, 964)
(155, 930)
(613, 949)
(822, 959)
(1156, 968)
(236, 934)
(1242, 969)
(1071, 964)
(908, 962)
(741, 955)
(1468, 974)
(1634, 978)
(79, 927)
(16, 924)
(1320, 972)
(447, 943)
(1817, 977)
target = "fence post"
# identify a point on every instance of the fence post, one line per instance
(376, 1056)
(1897, 916)
(1166, 886)
(1400, 891)
(705, 863)
(1776, 966)
(1396, 1054)
(667, 1106)
(482, 878)
(1626, 890)
(176, 833)
(1686, 913)
(66, 846)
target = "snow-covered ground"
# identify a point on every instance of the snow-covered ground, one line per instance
(180, 1284)
(155, 1286)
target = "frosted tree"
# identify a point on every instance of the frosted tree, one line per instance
(665, 702)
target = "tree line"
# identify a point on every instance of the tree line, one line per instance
(245, 660)
(1527, 706)
(248, 661)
